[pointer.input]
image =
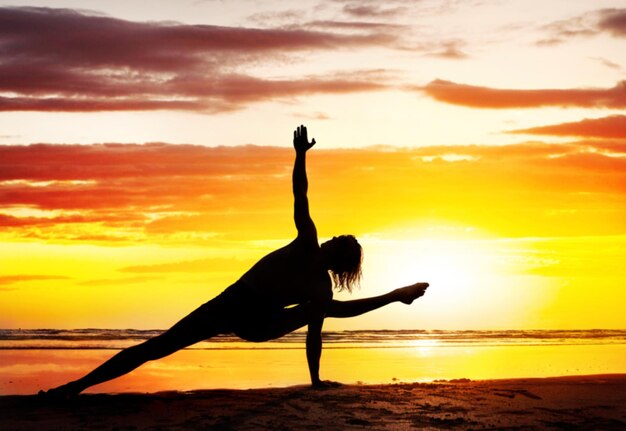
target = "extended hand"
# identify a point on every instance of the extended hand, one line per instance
(301, 141)
(410, 293)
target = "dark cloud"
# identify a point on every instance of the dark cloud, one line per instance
(613, 21)
(66, 60)
(496, 98)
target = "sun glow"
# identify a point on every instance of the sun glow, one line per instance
(453, 264)
(478, 283)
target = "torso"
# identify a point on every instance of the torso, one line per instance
(290, 275)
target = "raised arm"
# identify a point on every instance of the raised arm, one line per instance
(302, 218)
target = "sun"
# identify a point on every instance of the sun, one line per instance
(474, 283)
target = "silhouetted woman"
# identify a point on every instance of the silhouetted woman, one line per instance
(286, 290)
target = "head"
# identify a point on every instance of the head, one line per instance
(343, 256)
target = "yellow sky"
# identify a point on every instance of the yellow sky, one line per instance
(479, 147)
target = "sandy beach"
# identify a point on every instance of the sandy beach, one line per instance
(575, 402)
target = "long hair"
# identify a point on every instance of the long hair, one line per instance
(346, 270)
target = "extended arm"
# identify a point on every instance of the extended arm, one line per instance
(357, 307)
(301, 214)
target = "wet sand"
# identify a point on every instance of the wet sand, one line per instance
(576, 402)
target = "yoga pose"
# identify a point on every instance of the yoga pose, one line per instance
(286, 290)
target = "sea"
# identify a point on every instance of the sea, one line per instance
(34, 359)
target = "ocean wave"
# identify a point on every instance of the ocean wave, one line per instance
(96, 338)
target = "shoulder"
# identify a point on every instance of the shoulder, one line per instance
(306, 243)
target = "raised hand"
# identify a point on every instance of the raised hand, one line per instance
(301, 140)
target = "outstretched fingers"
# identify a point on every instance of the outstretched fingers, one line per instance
(303, 133)
(301, 139)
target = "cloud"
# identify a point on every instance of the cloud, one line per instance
(559, 31)
(608, 63)
(611, 21)
(164, 193)
(113, 191)
(99, 217)
(496, 98)
(75, 61)
(449, 50)
(360, 10)
(319, 116)
(117, 281)
(607, 127)
(12, 279)
(192, 266)
(607, 146)
(273, 17)
(357, 25)
(60, 104)
(140, 163)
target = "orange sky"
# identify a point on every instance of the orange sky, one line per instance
(458, 157)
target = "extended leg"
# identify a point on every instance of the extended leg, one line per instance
(195, 327)
(360, 306)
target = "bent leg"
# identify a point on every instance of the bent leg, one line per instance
(361, 306)
(201, 324)
(258, 327)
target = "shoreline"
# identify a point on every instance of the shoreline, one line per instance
(572, 402)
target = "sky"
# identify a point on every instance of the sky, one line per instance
(145, 155)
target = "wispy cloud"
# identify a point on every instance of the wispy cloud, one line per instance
(112, 64)
(191, 266)
(12, 279)
(117, 281)
(611, 21)
(449, 50)
(498, 98)
(607, 127)
(608, 63)
(372, 10)
(357, 25)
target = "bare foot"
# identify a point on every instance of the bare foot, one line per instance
(408, 294)
(64, 392)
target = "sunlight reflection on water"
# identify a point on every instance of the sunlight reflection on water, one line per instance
(27, 371)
